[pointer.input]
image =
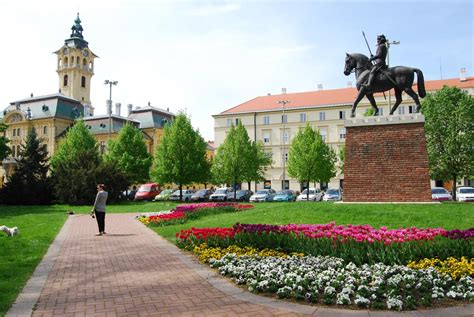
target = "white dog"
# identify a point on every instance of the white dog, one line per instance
(10, 232)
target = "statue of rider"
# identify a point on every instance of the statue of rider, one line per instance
(379, 59)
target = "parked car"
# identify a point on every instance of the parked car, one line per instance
(222, 194)
(315, 194)
(242, 195)
(332, 194)
(263, 195)
(201, 195)
(440, 194)
(465, 194)
(164, 195)
(187, 194)
(147, 191)
(285, 195)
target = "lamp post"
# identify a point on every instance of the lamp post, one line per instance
(388, 65)
(283, 102)
(109, 105)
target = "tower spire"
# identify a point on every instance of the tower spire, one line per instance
(76, 39)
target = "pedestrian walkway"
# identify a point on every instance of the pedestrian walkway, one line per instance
(132, 271)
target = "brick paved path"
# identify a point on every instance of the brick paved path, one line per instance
(131, 271)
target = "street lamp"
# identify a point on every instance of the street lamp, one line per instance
(109, 105)
(388, 65)
(283, 102)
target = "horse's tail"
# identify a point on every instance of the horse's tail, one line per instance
(421, 82)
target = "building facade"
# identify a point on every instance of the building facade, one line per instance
(52, 115)
(275, 120)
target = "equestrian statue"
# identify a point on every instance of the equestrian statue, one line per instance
(376, 77)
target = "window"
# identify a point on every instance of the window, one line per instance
(266, 137)
(14, 132)
(18, 132)
(266, 120)
(45, 129)
(286, 184)
(269, 153)
(236, 121)
(342, 133)
(284, 118)
(14, 150)
(342, 114)
(65, 80)
(323, 134)
(322, 116)
(83, 82)
(229, 122)
(410, 109)
(302, 117)
(286, 136)
(401, 110)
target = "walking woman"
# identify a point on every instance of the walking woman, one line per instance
(99, 208)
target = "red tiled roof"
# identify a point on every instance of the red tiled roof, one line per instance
(341, 96)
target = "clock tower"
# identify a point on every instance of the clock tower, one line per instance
(75, 67)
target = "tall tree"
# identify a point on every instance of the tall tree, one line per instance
(310, 159)
(449, 129)
(29, 185)
(236, 158)
(259, 162)
(180, 157)
(4, 149)
(341, 154)
(130, 152)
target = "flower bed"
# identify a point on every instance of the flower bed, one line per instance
(358, 244)
(343, 264)
(330, 280)
(181, 213)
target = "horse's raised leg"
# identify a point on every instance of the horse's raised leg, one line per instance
(413, 94)
(398, 101)
(359, 97)
(373, 104)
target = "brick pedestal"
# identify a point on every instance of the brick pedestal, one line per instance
(386, 160)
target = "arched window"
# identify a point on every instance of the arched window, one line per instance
(14, 132)
(83, 82)
(91, 66)
(65, 61)
(65, 80)
(84, 62)
(77, 60)
(45, 129)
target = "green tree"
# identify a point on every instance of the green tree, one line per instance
(341, 154)
(259, 162)
(180, 157)
(237, 159)
(449, 129)
(130, 152)
(4, 149)
(310, 159)
(29, 185)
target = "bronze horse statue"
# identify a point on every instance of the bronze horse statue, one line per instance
(400, 78)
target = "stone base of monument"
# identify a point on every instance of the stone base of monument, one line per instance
(386, 160)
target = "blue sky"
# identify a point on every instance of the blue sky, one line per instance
(204, 57)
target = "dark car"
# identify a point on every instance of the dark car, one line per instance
(201, 195)
(243, 195)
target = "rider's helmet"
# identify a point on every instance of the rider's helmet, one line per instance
(381, 38)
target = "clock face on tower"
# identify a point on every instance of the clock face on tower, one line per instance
(85, 53)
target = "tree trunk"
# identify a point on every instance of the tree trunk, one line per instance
(307, 192)
(181, 192)
(454, 187)
(248, 186)
(235, 189)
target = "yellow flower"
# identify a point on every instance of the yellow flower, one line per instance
(456, 268)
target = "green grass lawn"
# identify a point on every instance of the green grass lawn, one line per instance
(39, 225)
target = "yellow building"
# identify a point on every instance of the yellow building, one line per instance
(275, 120)
(52, 115)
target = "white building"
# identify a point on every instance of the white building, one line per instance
(275, 120)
